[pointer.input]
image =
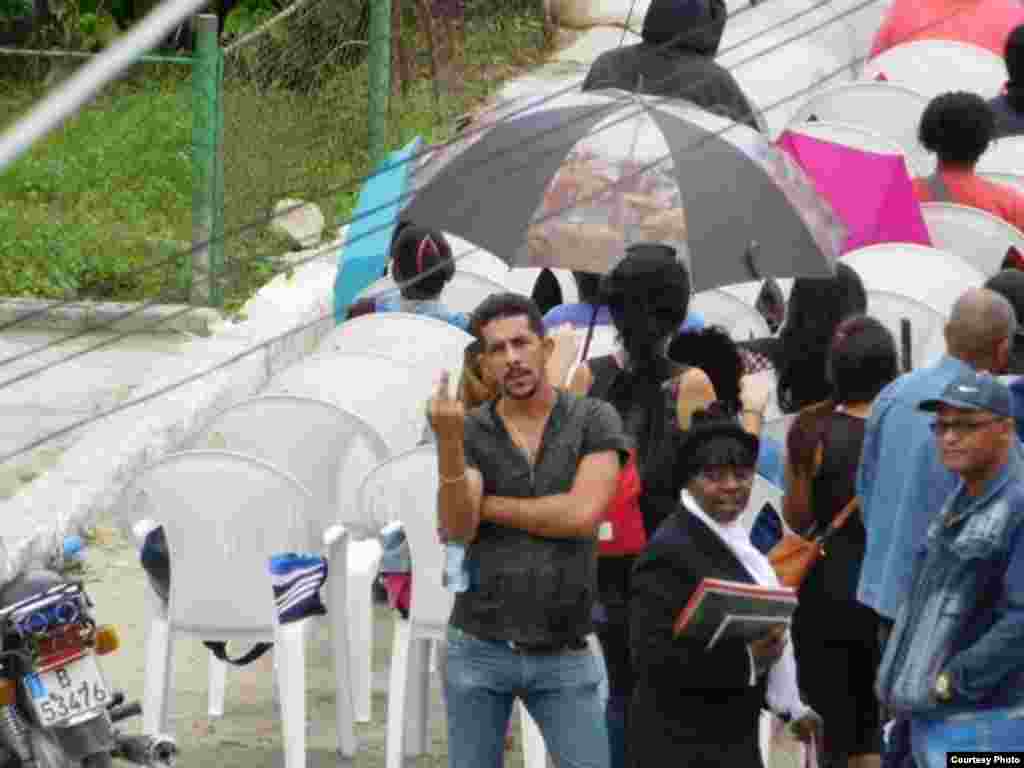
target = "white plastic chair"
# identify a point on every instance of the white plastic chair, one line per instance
(740, 320)
(407, 338)
(405, 489)
(603, 342)
(926, 323)
(980, 238)
(1004, 155)
(470, 258)
(1013, 180)
(206, 502)
(748, 292)
(330, 451)
(522, 279)
(892, 110)
(388, 394)
(932, 276)
(932, 67)
(463, 293)
(778, 73)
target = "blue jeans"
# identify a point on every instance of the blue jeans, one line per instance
(983, 731)
(560, 691)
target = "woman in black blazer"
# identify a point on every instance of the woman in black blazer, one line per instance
(693, 707)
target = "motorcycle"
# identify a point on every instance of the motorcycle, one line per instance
(56, 707)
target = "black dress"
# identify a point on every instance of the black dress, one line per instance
(835, 637)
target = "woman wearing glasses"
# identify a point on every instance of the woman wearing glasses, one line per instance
(835, 637)
(693, 706)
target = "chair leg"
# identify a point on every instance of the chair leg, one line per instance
(360, 612)
(764, 735)
(534, 750)
(417, 721)
(397, 694)
(339, 626)
(289, 647)
(218, 685)
(159, 678)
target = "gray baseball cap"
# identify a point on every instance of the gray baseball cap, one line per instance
(974, 391)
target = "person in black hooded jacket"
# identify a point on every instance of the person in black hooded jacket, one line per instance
(677, 59)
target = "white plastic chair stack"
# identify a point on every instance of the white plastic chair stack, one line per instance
(1012, 180)
(740, 320)
(977, 236)
(405, 489)
(932, 67)
(411, 339)
(929, 275)
(926, 323)
(463, 293)
(892, 110)
(522, 279)
(207, 502)
(330, 451)
(387, 394)
(1004, 155)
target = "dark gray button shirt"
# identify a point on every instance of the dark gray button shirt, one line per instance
(527, 588)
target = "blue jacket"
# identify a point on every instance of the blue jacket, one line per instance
(394, 303)
(1009, 122)
(901, 483)
(965, 612)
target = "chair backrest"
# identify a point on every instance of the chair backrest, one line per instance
(748, 292)
(740, 320)
(929, 275)
(850, 135)
(891, 110)
(405, 488)
(777, 76)
(470, 258)
(977, 236)
(925, 322)
(407, 338)
(932, 67)
(1004, 155)
(522, 279)
(224, 515)
(603, 342)
(387, 394)
(463, 293)
(763, 492)
(1013, 180)
(330, 450)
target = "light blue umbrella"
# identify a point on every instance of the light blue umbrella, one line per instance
(362, 259)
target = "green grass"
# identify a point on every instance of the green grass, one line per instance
(78, 213)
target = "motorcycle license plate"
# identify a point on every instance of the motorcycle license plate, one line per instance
(64, 693)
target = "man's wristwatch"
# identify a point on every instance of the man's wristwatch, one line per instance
(943, 687)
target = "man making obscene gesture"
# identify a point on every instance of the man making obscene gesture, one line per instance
(524, 482)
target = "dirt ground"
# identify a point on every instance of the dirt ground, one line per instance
(249, 735)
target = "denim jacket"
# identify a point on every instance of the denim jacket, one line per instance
(965, 611)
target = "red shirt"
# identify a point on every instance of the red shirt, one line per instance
(967, 188)
(985, 23)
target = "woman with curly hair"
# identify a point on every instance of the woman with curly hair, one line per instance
(958, 127)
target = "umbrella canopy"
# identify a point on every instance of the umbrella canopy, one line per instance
(572, 182)
(870, 191)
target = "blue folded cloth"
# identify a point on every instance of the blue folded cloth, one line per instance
(297, 580)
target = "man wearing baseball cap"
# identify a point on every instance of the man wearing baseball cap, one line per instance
(954, 664)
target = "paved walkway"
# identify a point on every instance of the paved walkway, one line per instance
(67, 392)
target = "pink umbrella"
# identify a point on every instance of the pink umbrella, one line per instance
(871, 193)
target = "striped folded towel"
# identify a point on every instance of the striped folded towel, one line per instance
(297, 580)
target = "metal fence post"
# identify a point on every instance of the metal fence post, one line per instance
(380, 78)
(207, 176)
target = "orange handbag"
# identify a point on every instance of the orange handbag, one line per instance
(794, 556)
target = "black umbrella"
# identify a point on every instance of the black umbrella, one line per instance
(571, 183)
